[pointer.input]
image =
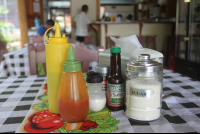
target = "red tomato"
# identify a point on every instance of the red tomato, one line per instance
(45, 86)
(43, 121)
(88, 124)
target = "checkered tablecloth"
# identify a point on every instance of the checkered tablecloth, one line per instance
(16, 97)
(180, 106)
(17, 63)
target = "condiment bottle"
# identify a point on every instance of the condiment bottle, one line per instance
(73, 97)
(104, 71)
(116, 87)
(144, 89)
(97, 98)
(56, 53)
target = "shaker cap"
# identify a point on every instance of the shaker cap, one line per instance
(103, 69)
(144, 64)
(93, 77)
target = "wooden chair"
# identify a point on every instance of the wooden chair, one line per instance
(38, 40)
(141, 40)
(36, 55)
(85, 56)
(71, 40)
(100, 48)
(151, 39)
(112, 43)
(3, 49)
(170, 44)
(88, 40)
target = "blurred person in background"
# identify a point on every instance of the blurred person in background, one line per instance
(42, 29)
(82, 24)
(119, 18)
(129, 18)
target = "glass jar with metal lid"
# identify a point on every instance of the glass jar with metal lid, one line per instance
(144, 89)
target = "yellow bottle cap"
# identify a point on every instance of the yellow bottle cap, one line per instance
(57, 38)
(51, 35)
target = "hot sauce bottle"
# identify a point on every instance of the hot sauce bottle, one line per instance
(116, 84)
(73, 99)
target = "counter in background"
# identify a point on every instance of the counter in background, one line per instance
(140, 28)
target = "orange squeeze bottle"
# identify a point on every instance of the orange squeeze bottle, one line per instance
(73, 99)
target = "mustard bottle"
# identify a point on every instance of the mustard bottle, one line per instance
(56, 54)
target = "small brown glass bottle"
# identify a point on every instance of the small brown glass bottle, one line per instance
(116, 86)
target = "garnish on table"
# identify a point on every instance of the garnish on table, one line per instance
(41, 106)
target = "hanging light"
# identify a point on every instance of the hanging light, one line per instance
(186, 1)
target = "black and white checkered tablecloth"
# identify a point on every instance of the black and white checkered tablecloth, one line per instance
(16, 97)
(180, 106)
(17, 63)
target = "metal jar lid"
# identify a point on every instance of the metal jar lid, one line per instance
(144, 64)
(103, 69)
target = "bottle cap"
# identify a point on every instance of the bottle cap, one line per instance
(144, 64)
(93, 77)
(103, 69)
(58, 38)
(115, 50)
(71, 65)
(50, 35)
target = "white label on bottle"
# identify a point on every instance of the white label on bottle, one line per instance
(117, 95)
(139, 92)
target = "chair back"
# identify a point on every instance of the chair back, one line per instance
(151, 39)
(100, 48)
(85, 56)
(36, 55)
(71, 40)
(111, 42)
(141, 40)
(38, 40)
(88, 40)
(3, 49)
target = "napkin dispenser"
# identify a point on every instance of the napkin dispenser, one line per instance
(130, 49)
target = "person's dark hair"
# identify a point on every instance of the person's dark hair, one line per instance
(84, 8)
(119, 15)
(129, 17)
(50, 22)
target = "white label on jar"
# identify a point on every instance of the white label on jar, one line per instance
(139, 92)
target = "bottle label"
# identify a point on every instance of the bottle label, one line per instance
(115, 95)
(139, 92)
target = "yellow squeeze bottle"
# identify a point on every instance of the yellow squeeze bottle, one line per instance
(56, 54)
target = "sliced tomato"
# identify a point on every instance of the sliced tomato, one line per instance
(44, 120)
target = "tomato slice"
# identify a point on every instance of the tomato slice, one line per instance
(44, 121)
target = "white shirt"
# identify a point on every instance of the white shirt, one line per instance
(82, 21)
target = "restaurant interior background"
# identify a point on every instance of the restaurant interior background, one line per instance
(175, 25)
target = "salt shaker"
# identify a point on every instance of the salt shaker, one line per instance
(104, 71)
(144, 89)
(97, 99)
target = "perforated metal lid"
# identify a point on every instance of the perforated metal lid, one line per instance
(103, 69)
(144, 64)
